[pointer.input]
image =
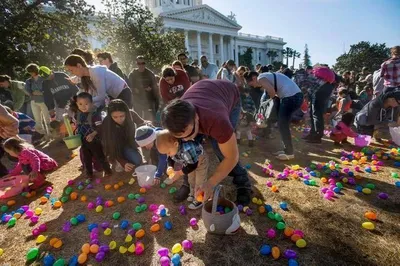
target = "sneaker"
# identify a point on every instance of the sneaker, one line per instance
(251, 143)
(190, 198)
(243, 196)
(278, 153)
(285, 157)
(195, 205)
(182, 193)
(118, 168)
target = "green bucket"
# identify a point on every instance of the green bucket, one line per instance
(73, 141)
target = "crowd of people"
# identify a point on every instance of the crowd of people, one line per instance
(174, 114)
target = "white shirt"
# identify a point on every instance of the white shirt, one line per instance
(285, 86)
(211, 71)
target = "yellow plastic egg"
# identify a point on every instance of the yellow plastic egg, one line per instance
(354, 162)
(368, 225)
(131, 181)
(38, 211)
(40, 239)
(132, 248)
(345, 180)
(254, 200)
(301, 243)
(122, 249)
(107, 232)
(112, 245)
(128, 238)
(170, 171)
(366, 190)
(99, 208)
(259, 202)
(176, 248)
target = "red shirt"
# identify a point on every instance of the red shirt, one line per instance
(214, 100)
(181, 84)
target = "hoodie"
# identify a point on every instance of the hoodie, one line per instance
(105, 83)
(58, 90)
(373, 113)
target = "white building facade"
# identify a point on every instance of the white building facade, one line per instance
(208, 32)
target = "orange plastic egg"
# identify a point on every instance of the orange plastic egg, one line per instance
(142, 190)
(94, 248)
(73, 196)
(288, 231)
(82, 258)
(120, 183)
(43, 200)
(83, 198)
(116, 186)
(140, 233)
(57, 204)
(56, 242)
(276, 253)
(17, 215)
(121, 199)
(155, 228)
(200, 197)
(107, 187)
(324, 180)
(295, 237)
(274, 188)
(86, 248)
(11, 202)
(370, 215)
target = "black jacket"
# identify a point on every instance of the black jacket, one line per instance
(58, 91)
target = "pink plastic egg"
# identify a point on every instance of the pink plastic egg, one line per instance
(35, 232)
(29, 213)
(43, 228)
(163, 252)
(271, 233)
(193, 222)
(187, 244)
(165, 261)
(34, 219)
(90, 205)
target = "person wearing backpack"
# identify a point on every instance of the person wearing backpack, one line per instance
(290, 100)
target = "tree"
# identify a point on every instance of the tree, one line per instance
(295, 55)
(246, 58)
(306, 58)
(288, 52)
(129, 29)
(362, 54)
(272, 55)
(41, 31)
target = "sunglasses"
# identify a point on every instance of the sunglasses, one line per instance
(140, 63)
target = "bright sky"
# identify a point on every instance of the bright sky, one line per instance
(328, 26)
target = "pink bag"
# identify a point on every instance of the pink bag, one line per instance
(13, 185)
(325, 74)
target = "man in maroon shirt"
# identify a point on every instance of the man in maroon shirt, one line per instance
(212, 108)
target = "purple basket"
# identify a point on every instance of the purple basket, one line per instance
(362, 140)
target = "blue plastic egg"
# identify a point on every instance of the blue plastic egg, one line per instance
(293, 262)
(313, 173)
(163, 212)
(397, 164)
(124, 224)
(81, 218)
(359, 188)
(168, 225)
(49, 260)
(92, 226)
(283, 205)
(336, 190)
(176, 259)
(73, 261)
(265, 250)
(268, 208)
(397, 184)
(307, 182)
(351, 174)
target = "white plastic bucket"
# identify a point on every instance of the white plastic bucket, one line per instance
(145, 175)
(395, 133)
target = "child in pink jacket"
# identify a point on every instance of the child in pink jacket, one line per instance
(30, 161)
(343, 130)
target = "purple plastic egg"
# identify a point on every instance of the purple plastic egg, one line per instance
(35, 232)
(165, 261)
(34, 219)
(43, 228)
(193, 222)
(94, 235)
(141, 200)
(100, 256)
(249, 212)
(95, 230)
(131, 232)
(187, 244)
(94, 242)
(324, 190)
(383, 195)
(271, 233)
(105, 225)
(25, 207)
(290, 254)
(90, 186)
(163, 252)
(104, 248)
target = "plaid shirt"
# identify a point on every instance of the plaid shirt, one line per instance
(390, 71)
(311, 83)
(248, 104)
(85, 127)
(188, 153)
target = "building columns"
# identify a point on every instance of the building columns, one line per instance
(221, 49)
(236, 53)
(210, 47)
(230, 50)
(187, 42)
(198, 45)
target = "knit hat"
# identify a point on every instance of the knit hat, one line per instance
(145, 135)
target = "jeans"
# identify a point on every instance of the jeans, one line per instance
(239, 174)
(133, 156)
(319, 102)
(41, 115)
(287, 107)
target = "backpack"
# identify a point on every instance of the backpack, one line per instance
(268, 111)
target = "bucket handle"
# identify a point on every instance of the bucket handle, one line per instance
(218, 191)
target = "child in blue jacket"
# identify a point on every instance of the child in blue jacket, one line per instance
(145, 137)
